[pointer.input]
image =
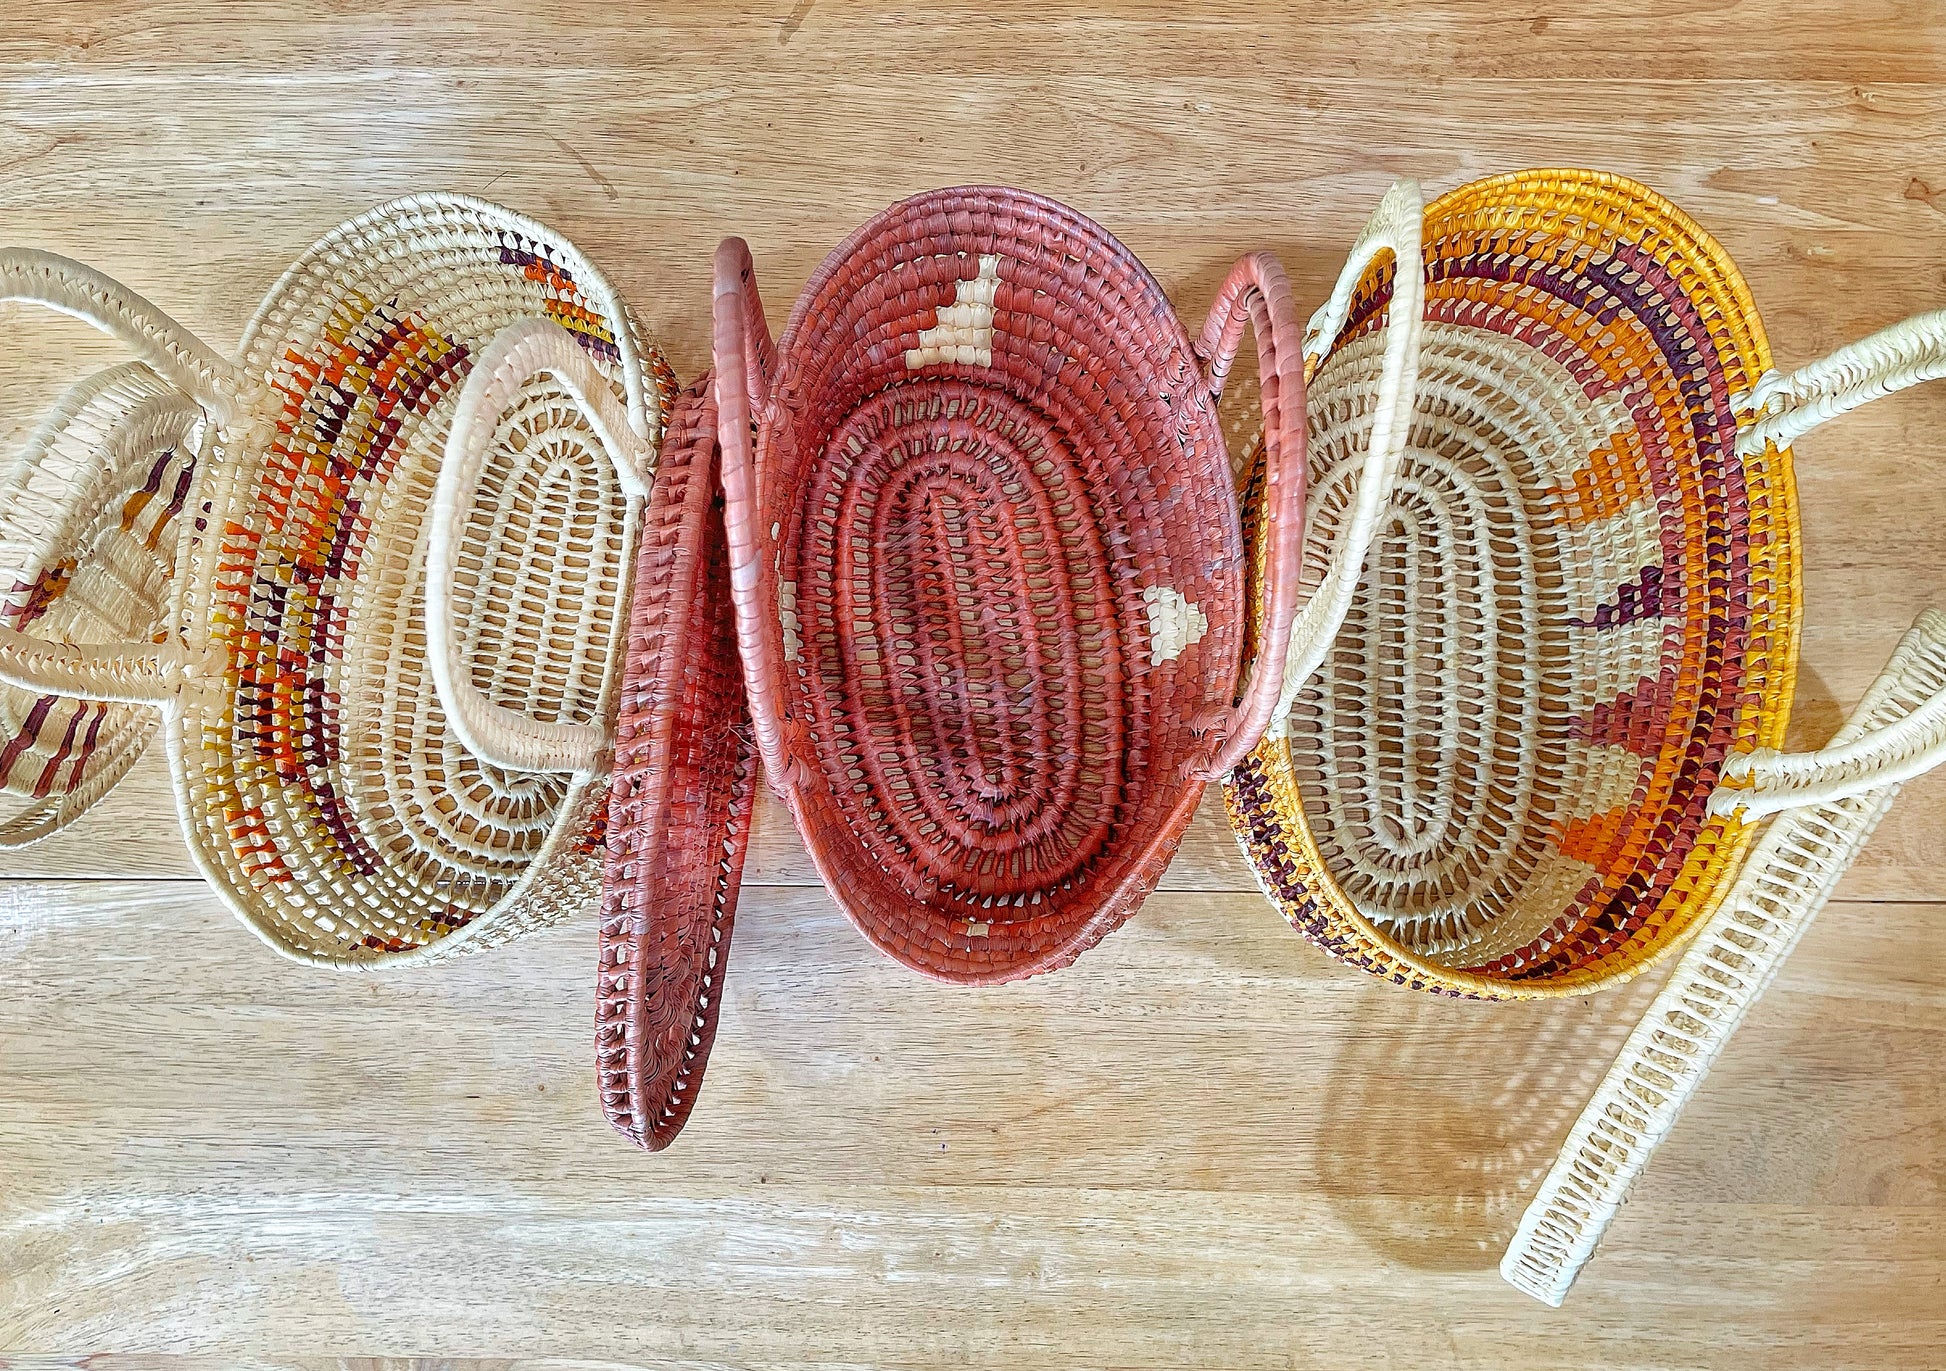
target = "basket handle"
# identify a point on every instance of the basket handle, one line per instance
(1778, 410)
(126, 673)
(519, 353)
(1789, 876)
(1782, 408)
(1395, 228)
(1258, 294)
(744, 360)
(67, 287)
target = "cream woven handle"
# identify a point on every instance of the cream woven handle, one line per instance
(1788, 879)
(1395, 227)
(131, 673)
(68, 287)
(518, 354)
(1783, 408)
(126, 673)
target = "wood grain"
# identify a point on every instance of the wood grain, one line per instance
(1204, 1144)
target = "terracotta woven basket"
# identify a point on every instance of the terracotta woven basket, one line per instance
(1530, 762)
(989, 571)
(679, 803)
(683, 767)
(319, 786)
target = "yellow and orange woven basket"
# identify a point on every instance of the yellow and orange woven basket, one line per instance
(1529, 762)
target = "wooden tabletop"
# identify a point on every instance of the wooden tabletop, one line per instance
(1203, 1145)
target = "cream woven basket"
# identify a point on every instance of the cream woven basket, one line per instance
(1532, 758)
(319, 784)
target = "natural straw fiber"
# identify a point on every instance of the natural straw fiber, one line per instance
(319, 785)
(1739, 950)
(88, 535)
(677, 820)
(989, 570)
(1518, 769)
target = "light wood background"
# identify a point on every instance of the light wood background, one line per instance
(1203, 1145)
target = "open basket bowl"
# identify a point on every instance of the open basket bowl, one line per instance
(1532, 757)
(989, 568)
(319, 785)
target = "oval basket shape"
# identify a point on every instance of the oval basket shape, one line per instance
(1528, 764)
(321, 785)
(991, 575)
(680, 799)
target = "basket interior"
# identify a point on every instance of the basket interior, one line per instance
(1009, 578)
(1580, 599)
(329, 792)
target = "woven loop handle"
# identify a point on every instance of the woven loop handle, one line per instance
(744, 358)
(1257, 293)
(129, 673)
(67, 287)
(518, 354)
(125, 673)
(1789, 877)
(1783, 408)
(1395, 228)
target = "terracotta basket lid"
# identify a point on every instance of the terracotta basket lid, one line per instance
(679, 800)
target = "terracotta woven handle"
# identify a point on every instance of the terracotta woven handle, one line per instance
(518, 354)
(130, 673)
(1395, 230)
(1258, 294)
(1780, 409)
(744, 357)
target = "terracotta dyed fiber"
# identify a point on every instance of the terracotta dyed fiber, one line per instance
(677, 757)
(88, 533)
(988, 568)
(320, 787)
(680, 799)
(1519, 769)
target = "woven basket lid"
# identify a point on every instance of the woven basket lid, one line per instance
(680, 797)
(88, 537)
(1581, 599)
(323, 791)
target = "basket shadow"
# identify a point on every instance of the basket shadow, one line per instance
(1816, 713)
(1440, 1118)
